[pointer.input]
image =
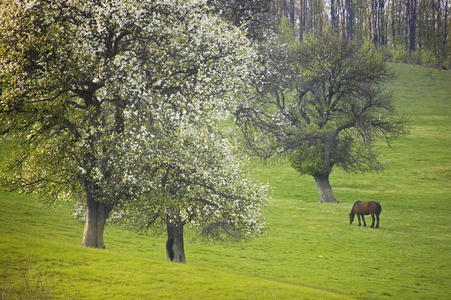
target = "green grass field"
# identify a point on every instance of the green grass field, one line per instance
(309, 250)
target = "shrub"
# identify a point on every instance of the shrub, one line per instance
(417, 57)
(428, 58)
(387, 53)
(401, 55)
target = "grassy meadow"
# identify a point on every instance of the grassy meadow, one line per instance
(309, 250)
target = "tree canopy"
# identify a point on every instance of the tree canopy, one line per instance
(328, 110)
(95, 94)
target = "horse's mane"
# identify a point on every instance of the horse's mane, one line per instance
(352, 209)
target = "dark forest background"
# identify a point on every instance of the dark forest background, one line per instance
(409, 31)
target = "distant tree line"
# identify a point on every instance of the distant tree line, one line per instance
(405, 25)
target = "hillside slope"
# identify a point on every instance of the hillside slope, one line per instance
(42, 255)
(308, 251)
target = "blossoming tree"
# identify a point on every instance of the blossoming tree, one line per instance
(88, 88)
(192, 177)
(181, 169)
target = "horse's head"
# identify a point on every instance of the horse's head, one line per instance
(351, 218)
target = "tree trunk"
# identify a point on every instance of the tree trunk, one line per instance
(407, 22)
(292, 13)
(302, 18)
(412, 25)
(175, 250)
(382, 25)
(445, 31)
(97, 213)
(374, 22)
(333, 14)
(285, 8)
(324, 189)
(393, 27)
(349, 19)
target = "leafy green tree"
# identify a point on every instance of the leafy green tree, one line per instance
(333, 111)
(340, 108)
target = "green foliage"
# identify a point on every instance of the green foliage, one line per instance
(386, 52)
(286, 33)
(309, 160)
(424, 57)
(340, 96)
(428, 58)
(401, 55)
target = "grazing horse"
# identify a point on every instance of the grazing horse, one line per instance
(365, 208)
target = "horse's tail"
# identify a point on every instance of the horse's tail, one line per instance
(379, 207)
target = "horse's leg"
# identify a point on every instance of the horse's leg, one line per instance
(372, 217)
(358, 216)
(377, 217)
(363, 218)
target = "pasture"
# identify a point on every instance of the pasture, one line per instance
(308, 251)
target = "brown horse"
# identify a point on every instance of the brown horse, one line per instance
(365, 208)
